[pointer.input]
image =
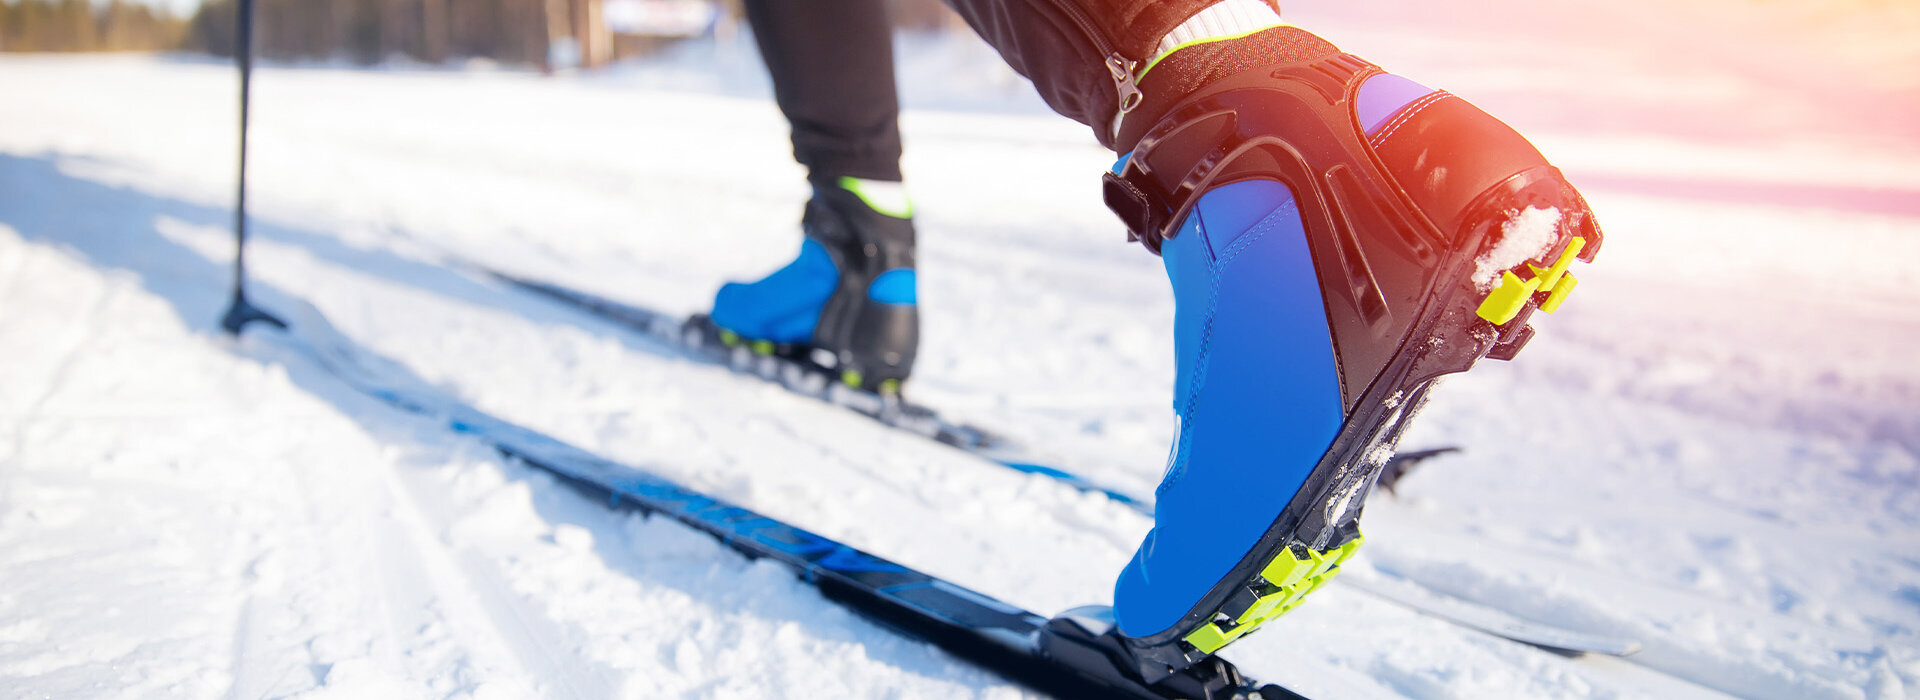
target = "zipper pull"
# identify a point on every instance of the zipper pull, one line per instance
(1122, 70)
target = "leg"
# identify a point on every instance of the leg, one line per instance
(847, 303)
(832, 68)
(1337, 237)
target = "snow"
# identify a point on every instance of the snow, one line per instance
(1714, 447)
(1525, 236)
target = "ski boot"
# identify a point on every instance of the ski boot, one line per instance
(1337, 238)
(846, 306)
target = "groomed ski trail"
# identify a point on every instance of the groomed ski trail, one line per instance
(1690, 401)
(367, 558)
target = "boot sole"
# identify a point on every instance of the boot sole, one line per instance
(799, 354)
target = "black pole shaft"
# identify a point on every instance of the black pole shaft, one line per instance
(240, 312)
(243, 52)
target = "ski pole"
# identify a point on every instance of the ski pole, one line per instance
(240, 312)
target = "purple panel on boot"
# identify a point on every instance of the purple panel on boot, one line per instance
(1383, 96)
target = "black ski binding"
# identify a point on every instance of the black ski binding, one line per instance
(1086, 640)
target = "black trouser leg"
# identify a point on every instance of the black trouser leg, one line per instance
(832, 68)
(1066, 61)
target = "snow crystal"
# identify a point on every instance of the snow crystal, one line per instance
(1524, 237)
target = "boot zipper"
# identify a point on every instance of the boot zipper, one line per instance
(1118, 65)
(1122, 69)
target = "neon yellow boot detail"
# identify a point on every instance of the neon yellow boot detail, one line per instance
(1551, 277)
(1346, 551)
(1263, 608)
(1286, 570)
(1210, 638)
(1285, 581)
(1506, 301)
(1559, 294)
(1325, 562)
(888, 198)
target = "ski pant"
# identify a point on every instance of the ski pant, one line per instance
(832, 67)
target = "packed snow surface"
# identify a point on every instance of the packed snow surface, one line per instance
(1712, 448)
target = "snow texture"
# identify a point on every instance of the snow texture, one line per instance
(1714, 448)
(1526, 236)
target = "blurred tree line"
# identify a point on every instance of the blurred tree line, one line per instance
(80, 25)
(369, 31)
(522, 32)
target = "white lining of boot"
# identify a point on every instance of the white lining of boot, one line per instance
(1227, 19)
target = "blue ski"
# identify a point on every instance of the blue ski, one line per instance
(1068, 656)
(696, 338)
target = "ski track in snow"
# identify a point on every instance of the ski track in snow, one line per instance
(1713, 449)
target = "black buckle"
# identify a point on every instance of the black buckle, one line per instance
(1144, 217)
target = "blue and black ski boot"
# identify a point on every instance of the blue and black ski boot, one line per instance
(1337, 239)
(847, 305)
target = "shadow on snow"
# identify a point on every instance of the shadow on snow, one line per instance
(116, 229)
